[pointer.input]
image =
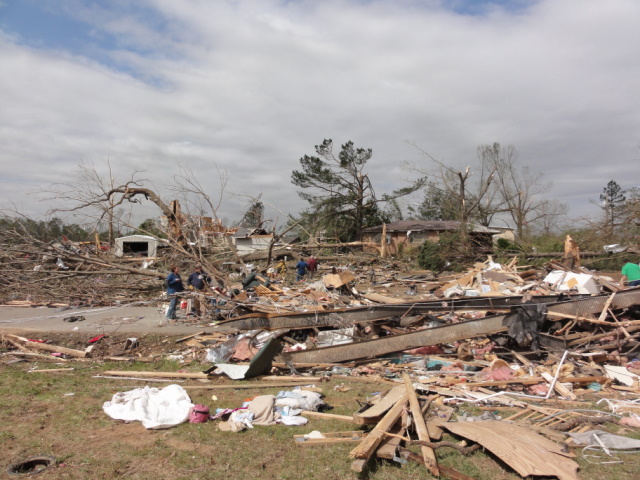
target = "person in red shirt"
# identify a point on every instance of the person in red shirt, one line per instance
(312, 266)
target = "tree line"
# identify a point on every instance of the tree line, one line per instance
(341, 200)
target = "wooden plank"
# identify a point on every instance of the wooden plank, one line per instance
(534, 380)
(327, 416)
(121, 373)
(389, 445)
(51, 370)
(376, 297)
(374, 414)
(45, 346)
(190, 336)
(330, 438)
(435, 431)
(558, 387)
(238, 386)
(428, 454)
(607, 304)
(283, 379)
(364, 451)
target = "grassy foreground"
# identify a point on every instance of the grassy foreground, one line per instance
(60, 414)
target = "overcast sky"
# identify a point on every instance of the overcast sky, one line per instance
(250, 86)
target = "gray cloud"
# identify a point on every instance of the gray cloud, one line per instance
(252, 86)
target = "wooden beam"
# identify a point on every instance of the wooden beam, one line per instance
(428, 454)
(121, 373)
(534, 380)
(245, 386)
(558, 387)
(328, 416)
(51, 370)
(374, 414)
(363, 452)
(45, 346)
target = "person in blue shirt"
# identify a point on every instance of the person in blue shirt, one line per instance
(174, 286)
(301, 269)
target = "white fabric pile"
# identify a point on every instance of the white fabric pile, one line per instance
(154, 408)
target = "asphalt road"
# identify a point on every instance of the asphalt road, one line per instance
(107, 320)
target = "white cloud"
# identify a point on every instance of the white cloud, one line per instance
(253, 86)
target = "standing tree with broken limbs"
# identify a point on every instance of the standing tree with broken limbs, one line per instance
(341, 197)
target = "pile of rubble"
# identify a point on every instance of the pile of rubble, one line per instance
(541, 343)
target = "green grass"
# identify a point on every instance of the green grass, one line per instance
(37, 418)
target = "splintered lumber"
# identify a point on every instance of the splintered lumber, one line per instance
(363, 452)
(428, 454)
(558, 387)
(121, 373)
(595, 304)
(39, 356)
(374, 413)
(45, 346)
(605, 309)
(534, 380)
(527, 452)
(376, 297)
(391, 442)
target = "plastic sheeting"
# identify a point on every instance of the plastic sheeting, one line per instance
(607, 440)
(154, 408)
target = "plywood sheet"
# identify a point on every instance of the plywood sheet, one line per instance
(527, 452)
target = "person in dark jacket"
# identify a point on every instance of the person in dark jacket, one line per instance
(198, 280)
(174, 286)
(301, 269)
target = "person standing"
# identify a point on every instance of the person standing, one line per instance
(630, 274)
(301, 269)
(198, 280)
(312, 266)
(174, 287)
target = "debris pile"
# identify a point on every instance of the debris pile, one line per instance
(536, 350)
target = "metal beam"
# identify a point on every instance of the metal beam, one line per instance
(347, 317)
(452, 332)
(398, 343)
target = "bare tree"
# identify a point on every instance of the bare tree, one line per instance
(551, 213)
(471, 191)
(521, 189)
(91, 195)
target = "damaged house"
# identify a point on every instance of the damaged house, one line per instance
(138, 246)
(249, 240)
(413, 233)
